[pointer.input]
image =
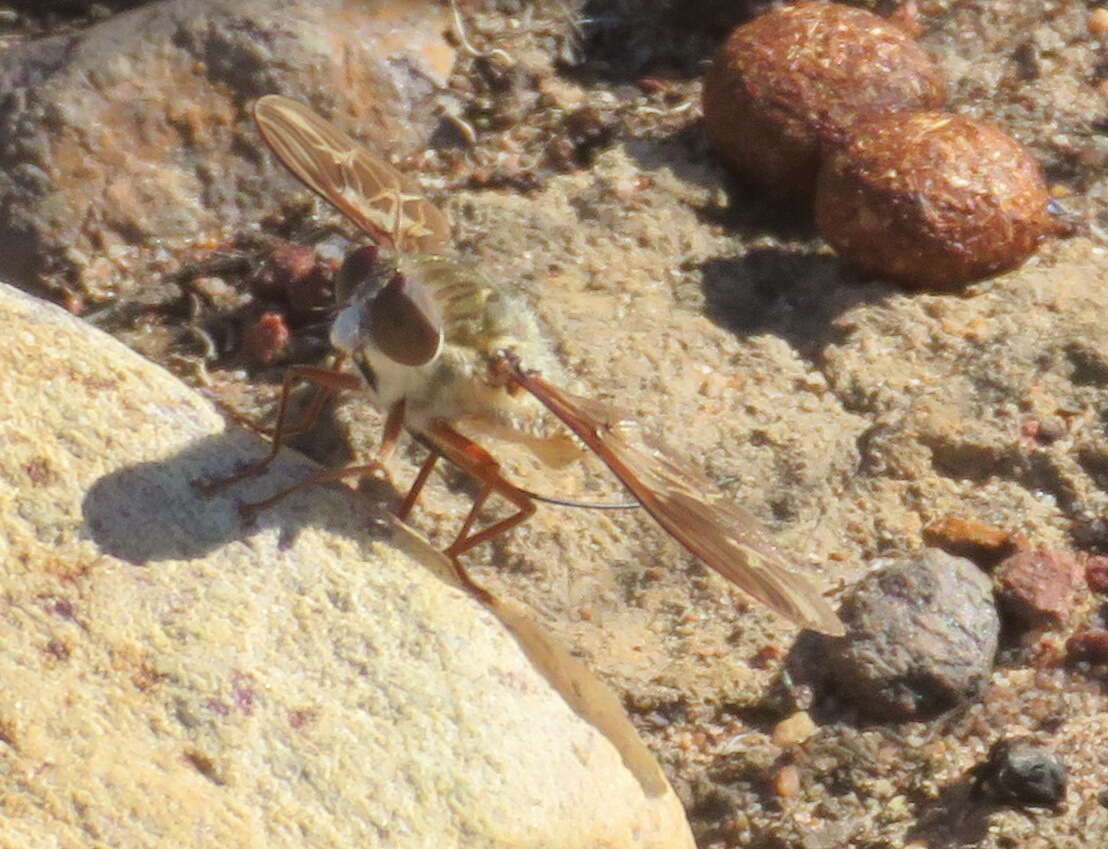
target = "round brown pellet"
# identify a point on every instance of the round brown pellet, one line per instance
(795, 79)
(932, 199)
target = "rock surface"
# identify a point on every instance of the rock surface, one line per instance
(847, 416)
(132, 135)
(173, 679)
(922, 637)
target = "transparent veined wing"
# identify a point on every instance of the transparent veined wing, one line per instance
(366, 189)
(688, 506)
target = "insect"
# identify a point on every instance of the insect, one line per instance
(444, 353)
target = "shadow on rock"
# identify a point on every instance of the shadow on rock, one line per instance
(155, 511)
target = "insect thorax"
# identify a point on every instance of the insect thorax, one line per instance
(479, 319)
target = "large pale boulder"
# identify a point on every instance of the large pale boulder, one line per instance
(170, 678)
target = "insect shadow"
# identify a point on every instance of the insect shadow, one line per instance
(153, 511)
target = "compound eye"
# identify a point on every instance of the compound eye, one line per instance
(358, 267)
(404, 322)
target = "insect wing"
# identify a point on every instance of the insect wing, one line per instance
(369, 191)
(690, 507)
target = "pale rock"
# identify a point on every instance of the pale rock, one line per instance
(171, 678)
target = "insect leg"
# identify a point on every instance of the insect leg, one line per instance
(475, 461)
(474, 510)
(328, 382)
(250, 510)
(393, 425)
(465, 540)
(525, 507)
(405, 508)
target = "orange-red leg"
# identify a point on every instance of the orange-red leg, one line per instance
(475, 461)
(405, 508)
(250, 510)
(328, 382)
(442, 440)
(393, 425)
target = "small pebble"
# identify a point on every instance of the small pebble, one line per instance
(295, 274)
(1097, 22)
(1022, 773)
(973, 539)
(921, 638)
(1037, 587)
(793, 729)
(266, 338)
(286, 263)
(1090, 646)
(1096, 573)
(786, 783)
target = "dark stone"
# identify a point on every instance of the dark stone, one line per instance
(921, 637)
(1022, 773)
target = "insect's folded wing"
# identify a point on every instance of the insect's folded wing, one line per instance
(691, 508)
(369, 191)
(729, 540)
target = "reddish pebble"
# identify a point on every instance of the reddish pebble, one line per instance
(1096, 573)
(1038, 586)
(1088, 646)
(286, 263)
(294, 273)
(266, 338)
(292, 261)
(978, 541)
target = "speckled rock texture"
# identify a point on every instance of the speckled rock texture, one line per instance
(845, 413)
(130, 136)
(172, 679)
(793, 81)
(932, 199)
(922, 637)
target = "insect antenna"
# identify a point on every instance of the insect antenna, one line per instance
(584, 505)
